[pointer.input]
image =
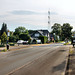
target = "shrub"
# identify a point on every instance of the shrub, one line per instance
(0, 40)
(34, 41)
(29, 41)
(4, 50)
(66, 43)
(12, 38)
(2, 45)
(11, 44)
(43, 39)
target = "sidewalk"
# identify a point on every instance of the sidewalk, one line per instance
(71, 62)
(14, 47)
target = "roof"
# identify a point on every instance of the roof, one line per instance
(42, 32)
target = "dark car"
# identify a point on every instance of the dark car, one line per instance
(25, 42)
(73, 41)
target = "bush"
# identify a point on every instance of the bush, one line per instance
(34, 41)
(29, 41)
(12, 38)
(2, 45)
(66, 43)
(11, 44)
(43, 39)
(4, 50)
(0, 40)
(56, 40)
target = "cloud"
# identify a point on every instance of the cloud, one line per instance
(23, 12)
(2, 16)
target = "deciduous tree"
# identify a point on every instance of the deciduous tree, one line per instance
(3, 38)
(66, 31)
(56, 28)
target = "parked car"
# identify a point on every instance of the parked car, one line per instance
(20, 42)
(38, 41)
(25, 42)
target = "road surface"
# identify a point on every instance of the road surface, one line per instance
(36, 60)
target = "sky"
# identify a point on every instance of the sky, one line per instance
(33, 14)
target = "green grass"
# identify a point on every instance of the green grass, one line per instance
(66, 43)
(4, 50)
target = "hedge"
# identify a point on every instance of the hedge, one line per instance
(43, 39)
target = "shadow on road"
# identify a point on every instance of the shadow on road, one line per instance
(59, 67)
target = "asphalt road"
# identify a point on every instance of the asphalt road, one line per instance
(36, 60)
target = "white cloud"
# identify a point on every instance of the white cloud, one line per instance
(34, 12)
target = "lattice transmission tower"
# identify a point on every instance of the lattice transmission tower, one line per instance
(49, 26)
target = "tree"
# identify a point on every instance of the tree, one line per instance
(56, 28)
(12, 38)
(66, 31)
(4, 28)
(24, 36)
(3, 38)
(20, 30)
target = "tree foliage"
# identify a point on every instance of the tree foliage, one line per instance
(24, 36)
(66, 31)
(20, 30)
(4, 28)
(12, 38)
(56, 28)
(3, 38)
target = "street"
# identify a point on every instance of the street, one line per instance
(36, 60)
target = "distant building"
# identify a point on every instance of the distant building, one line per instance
(37, 33)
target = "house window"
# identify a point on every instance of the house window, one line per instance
(36, 35)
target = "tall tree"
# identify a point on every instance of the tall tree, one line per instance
(56, 28)
(66, 31)
(3, 38)
(4, 28)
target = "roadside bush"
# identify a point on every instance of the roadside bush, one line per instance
(34, 41)
(29, 41)
(56, 40)
(2, 45)
(12, 38)
(43, 39)
(4, 50)
(0, 40)
(11, 44)
(66, 43)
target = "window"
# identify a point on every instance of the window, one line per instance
(36, 35)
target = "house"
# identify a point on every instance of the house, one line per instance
(38, 33)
